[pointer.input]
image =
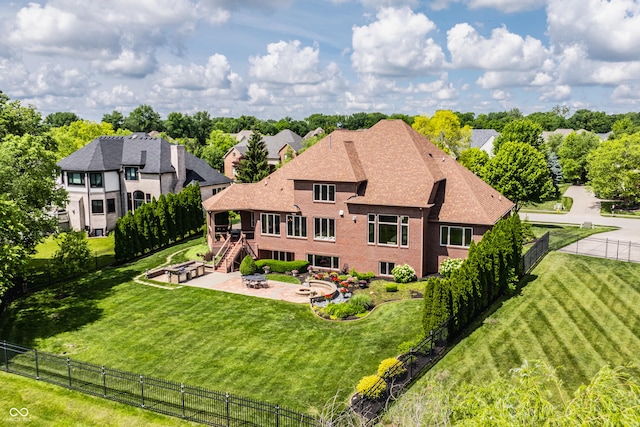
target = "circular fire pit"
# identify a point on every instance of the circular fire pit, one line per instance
(304, 291)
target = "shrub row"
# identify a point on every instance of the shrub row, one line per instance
(157, 223)
(358, 304)
(283, 266)
(489, 272)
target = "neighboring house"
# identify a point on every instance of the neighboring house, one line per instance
(369, 199)
(566, 132)
(281, 148)
(312, 133)
(483, 139)
(113, 175)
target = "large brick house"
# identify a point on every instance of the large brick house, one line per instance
(368, 199)
(113, 175)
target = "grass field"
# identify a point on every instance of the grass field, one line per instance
(46, 403)
(549, 206)
(576, 313)
(264, 349)
(563, 235)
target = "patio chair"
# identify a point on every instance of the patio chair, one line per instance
(264, 284)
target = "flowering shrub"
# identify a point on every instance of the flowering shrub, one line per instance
(391, 368)
(403, 273)
(449, 265)
(371, 387)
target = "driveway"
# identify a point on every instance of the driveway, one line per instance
(586, 208)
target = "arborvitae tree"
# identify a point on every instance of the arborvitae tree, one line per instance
(142, 230)
(162, 213)
(172, 208)
(428, 304)
(132, 234)
(254, 165)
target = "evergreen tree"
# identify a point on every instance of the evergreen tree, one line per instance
(254, 165)
(162, 213)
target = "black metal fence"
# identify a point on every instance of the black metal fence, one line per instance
(535, 253)
(417, 361)
(166, 397)
(620, 250)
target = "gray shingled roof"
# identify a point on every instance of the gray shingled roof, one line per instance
(480, 136)
(274, 143)
(151, 155)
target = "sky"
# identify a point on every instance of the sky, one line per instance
(287, 58)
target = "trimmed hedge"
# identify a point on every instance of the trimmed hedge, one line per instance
(490, 271)
(283, 266)
(247, 266)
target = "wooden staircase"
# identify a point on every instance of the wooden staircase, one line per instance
(229, 253)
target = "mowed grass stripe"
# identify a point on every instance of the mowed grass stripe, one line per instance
(577, 312)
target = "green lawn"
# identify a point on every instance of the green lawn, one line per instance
(563, 235)
(46, 403)
(577, 314)
(549, 206)
(264, 349)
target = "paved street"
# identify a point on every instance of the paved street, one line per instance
(623, 243)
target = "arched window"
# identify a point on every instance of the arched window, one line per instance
(138, 199)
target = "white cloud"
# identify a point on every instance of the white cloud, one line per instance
(216, 73)
(128, 63)
(505, 6)
(501, 79)
(576, 68)
(558, 93)
(502, 51)
(287, 63)
(608, 30)
(626, 92)
(500, 95)
(396, 45)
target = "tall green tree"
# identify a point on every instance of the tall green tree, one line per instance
(474, 159)
(115, 118)
(254, 165)
(61, 118)
(28, 192)
(521, 130)
(573, 154)
(612, 169)
(217, 146)
(15, 119)
(143, 119)
(76, 135)
(519, 172)
(444, 130)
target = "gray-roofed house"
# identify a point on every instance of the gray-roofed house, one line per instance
(281, 148)
(113, 175)
(483, 139)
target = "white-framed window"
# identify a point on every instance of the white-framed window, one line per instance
(324, 229)
(386, 267)
(324, 192)
(75, 178)
(97, 206)
(388, 230)
(95, 180)
(455, 236)
(131, 173)
(324, 261)
(270, 224)
(296, 226)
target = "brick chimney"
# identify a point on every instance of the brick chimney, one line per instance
(178, 163)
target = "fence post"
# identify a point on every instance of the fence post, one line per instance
(629, 256)
(182, 395)
(617, 249)
(431, 343)
(577, 246)
(6, 357)
(410, 363)
(35, 353)
(277, 416)
(142, 389)
(104, 382)
(226, 403)
(606, 248)
(69, 371)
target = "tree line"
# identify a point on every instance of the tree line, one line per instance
(158, 223)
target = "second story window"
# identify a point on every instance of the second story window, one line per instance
(131, 174)
(324, 229)
(95, 180)
(75, 178)
(324, 192)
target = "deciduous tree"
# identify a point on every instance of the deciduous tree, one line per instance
(520, 173)
(474, 159)
(612, 169)
(521, 130)
(444, 130)
(573, 154)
